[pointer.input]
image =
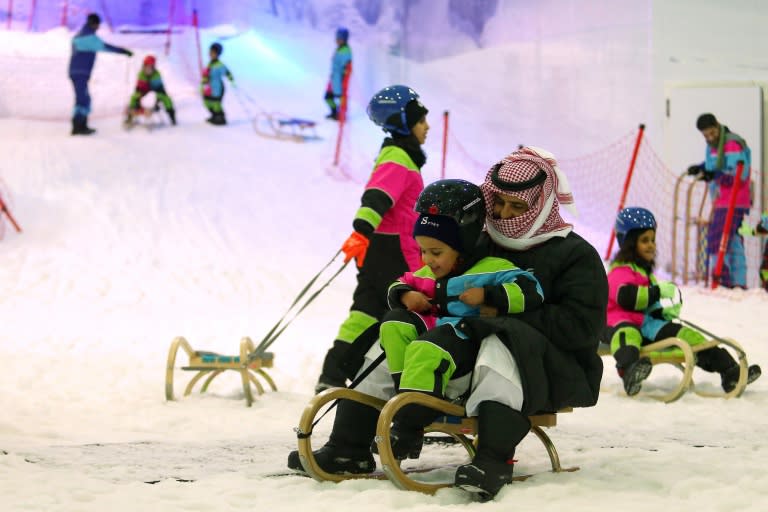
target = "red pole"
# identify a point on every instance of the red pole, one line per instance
(626, 185)
(170, 27)
(4, 209)
(64, 9)
(445, 143)
(726, 236)
(31, 15)
(342, 112)
(10, 14)
(197, 40)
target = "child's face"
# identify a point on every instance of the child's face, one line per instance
(420, 130)
(212, 53)
(508, 207)
(439, 256)
(149, 69)
(646, 245)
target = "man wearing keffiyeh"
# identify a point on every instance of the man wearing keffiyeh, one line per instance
(540, 360)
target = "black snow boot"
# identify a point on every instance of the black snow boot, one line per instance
(730, 377)
(347, 450)
(218, 119)
(634, 375)
(500, 430)
(80, 126)
(172, 115)
(632, 368)
(406, 436)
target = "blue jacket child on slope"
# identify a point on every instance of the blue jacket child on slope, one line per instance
(85, 44)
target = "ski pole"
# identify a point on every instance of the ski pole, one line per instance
(279, 327)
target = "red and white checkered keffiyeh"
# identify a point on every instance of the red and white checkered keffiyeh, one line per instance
(542, 221)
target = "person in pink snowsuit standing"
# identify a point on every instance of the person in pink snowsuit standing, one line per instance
(381, 244)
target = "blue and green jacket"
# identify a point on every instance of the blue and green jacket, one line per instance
(507, 288)
(85, 44)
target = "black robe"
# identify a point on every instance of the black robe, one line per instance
(555, 345)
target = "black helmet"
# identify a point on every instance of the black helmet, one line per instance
(458, 199)
(217, 48)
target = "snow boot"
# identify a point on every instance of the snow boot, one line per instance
(80, 126)
(172, 115)
(406, 436)
(500, 430)
(218, 119)
(632, 369)
(347, 449)
(730, 377)
(634, 375)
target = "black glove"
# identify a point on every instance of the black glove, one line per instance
(695, 169)
(129, 53)
(707, 176)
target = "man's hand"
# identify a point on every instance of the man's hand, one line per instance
(473, 296)
(355, 247)
(695, 169)
(415, 301)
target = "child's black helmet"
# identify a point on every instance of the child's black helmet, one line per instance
(216, 47)
(458, 199)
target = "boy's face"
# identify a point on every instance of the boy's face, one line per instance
(439, 256)
(420, 130)
(212, 53)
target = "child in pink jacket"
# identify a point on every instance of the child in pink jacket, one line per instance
(636, 316)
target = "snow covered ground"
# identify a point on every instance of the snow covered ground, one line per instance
(133, 238)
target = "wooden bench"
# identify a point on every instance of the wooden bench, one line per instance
(682, 356)
(455, 424)
(211, 364)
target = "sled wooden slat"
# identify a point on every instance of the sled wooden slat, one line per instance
(682, 356)
(454, 423)
(210, 365)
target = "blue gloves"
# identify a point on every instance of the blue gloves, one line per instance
(668, 289)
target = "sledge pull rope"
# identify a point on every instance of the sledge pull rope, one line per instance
(282, 324)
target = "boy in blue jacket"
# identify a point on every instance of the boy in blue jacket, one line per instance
(341, 67)
(85, 44)
(213, 85)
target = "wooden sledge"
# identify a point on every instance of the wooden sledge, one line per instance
(211, 364)
(278, 127)
(682, 356)
(149, 118)
(455, 424)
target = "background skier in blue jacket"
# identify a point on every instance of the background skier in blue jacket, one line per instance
(85, 44)
(341, 67)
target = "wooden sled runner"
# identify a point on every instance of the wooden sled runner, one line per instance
(455, 424)
(273, 126)
(211, 364)
(682, 356)
(149, 118)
